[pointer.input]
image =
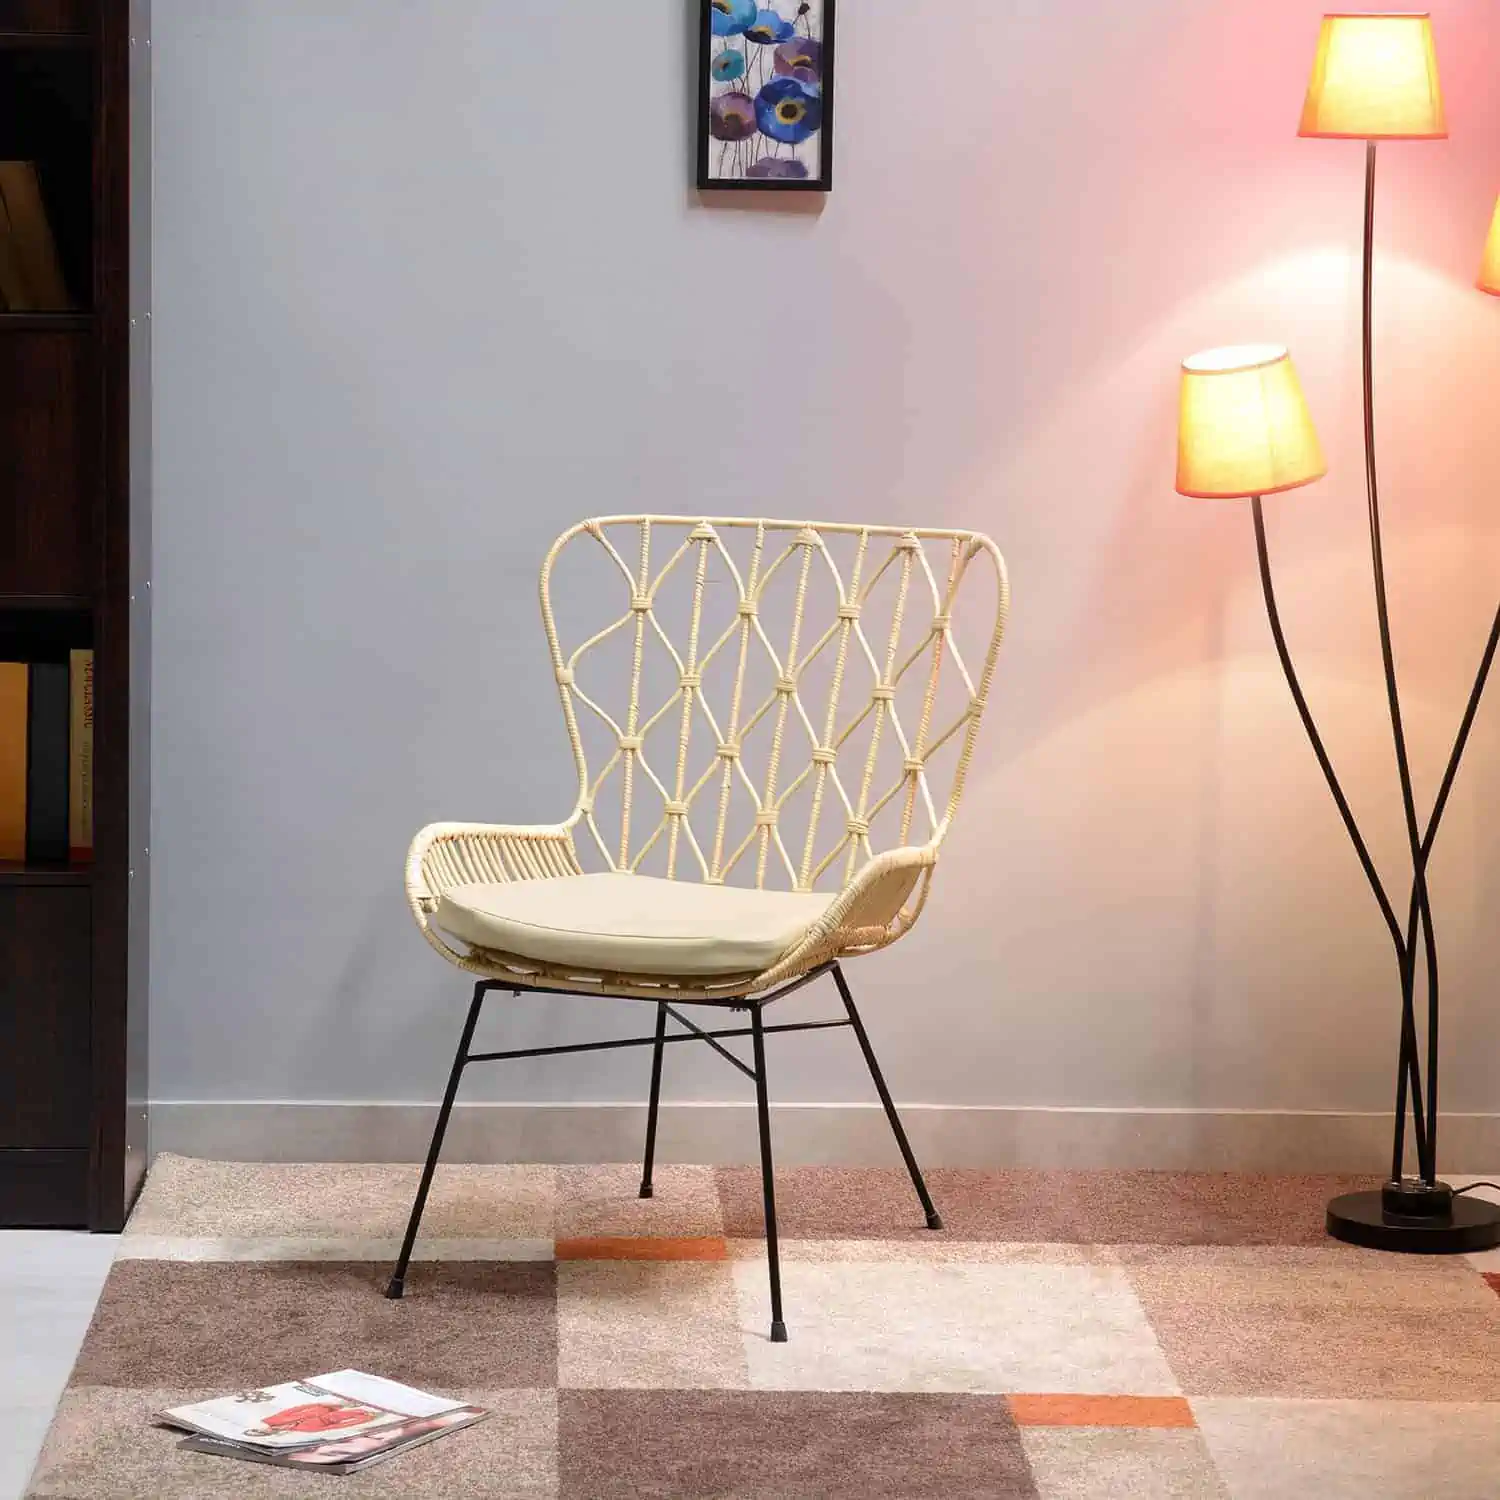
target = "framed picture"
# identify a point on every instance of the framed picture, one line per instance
(765, 95)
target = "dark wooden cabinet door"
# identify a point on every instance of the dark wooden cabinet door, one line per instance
(44, 1017)
(45, 1123)
(49, 417)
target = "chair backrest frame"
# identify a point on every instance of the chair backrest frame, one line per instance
(891, 557)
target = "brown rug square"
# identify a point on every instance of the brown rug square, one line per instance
(765, 1444)
(170, 1323)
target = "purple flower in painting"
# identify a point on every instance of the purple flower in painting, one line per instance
(731, 17)
(732, 117)
(801, 58)
(768, 28)
(776, 166)
(788, 110)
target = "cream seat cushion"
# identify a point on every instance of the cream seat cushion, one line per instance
(632, 924)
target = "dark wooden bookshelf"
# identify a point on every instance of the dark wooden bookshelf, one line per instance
(74, 541)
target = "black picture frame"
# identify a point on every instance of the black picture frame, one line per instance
(823, 182)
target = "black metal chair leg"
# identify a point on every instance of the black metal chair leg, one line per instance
(934, 1221)
(397, 1284)
(768, 1175)
(656, 1052)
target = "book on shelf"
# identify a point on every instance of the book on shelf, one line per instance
(47, 760)
(332, 1424)
(81, 756)
(47, 763)
(31, 274)
(15, 685)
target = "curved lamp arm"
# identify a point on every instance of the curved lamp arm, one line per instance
(1402, 945)
(1419, 881)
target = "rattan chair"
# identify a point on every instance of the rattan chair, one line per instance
(788, 696)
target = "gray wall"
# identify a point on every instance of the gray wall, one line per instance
(431, 284)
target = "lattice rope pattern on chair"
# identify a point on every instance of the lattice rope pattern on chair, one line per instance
(881, 891)
(856, 723)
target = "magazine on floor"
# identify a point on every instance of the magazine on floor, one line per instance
(336, 1424)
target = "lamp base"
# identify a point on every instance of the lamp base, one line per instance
(1412, 1217)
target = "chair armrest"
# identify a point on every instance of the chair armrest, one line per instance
(876, 897)
(872, 911)
(443, 855)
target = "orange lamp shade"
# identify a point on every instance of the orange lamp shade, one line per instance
(1243, 426)
(1489, 270)
(1375, 78)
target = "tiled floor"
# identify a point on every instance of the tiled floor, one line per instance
(1070, 1337)
(49, 1282)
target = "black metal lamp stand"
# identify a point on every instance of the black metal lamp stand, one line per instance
(1420, 1214)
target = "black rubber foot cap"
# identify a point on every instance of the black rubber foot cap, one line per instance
(778, 1332)
(934, 1221)
(647, 1191)
(395, 1289)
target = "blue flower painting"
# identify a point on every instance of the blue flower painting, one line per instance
(768, 28)
(731, 17)
(767, 94)
(727, 65)
(789, 111)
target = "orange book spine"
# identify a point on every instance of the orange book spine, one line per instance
(14, 692)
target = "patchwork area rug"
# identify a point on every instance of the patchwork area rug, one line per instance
(1096, 1336)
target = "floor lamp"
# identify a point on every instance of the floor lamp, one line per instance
(1244, 432)
(1375, 78)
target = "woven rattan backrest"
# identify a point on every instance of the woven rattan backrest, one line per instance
(770, 702)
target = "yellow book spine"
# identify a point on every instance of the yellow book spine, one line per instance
(14, 690)
(81, 755)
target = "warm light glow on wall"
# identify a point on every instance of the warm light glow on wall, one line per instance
(1375, 78)
(1243, 426)
(1489, 270)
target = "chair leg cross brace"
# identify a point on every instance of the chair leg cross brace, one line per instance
(757, 1031)
(708, 1036)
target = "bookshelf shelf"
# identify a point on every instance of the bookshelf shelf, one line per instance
(45, 322)
(16, 872)
(74, 532)
(55, 603)
(37, 41)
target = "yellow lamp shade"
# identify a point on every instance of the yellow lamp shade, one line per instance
(1375, 78)
(1489, 270)
(1243, 426)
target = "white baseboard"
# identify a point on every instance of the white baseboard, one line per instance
(812, 1134)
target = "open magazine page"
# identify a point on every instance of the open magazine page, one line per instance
(306, 1413)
